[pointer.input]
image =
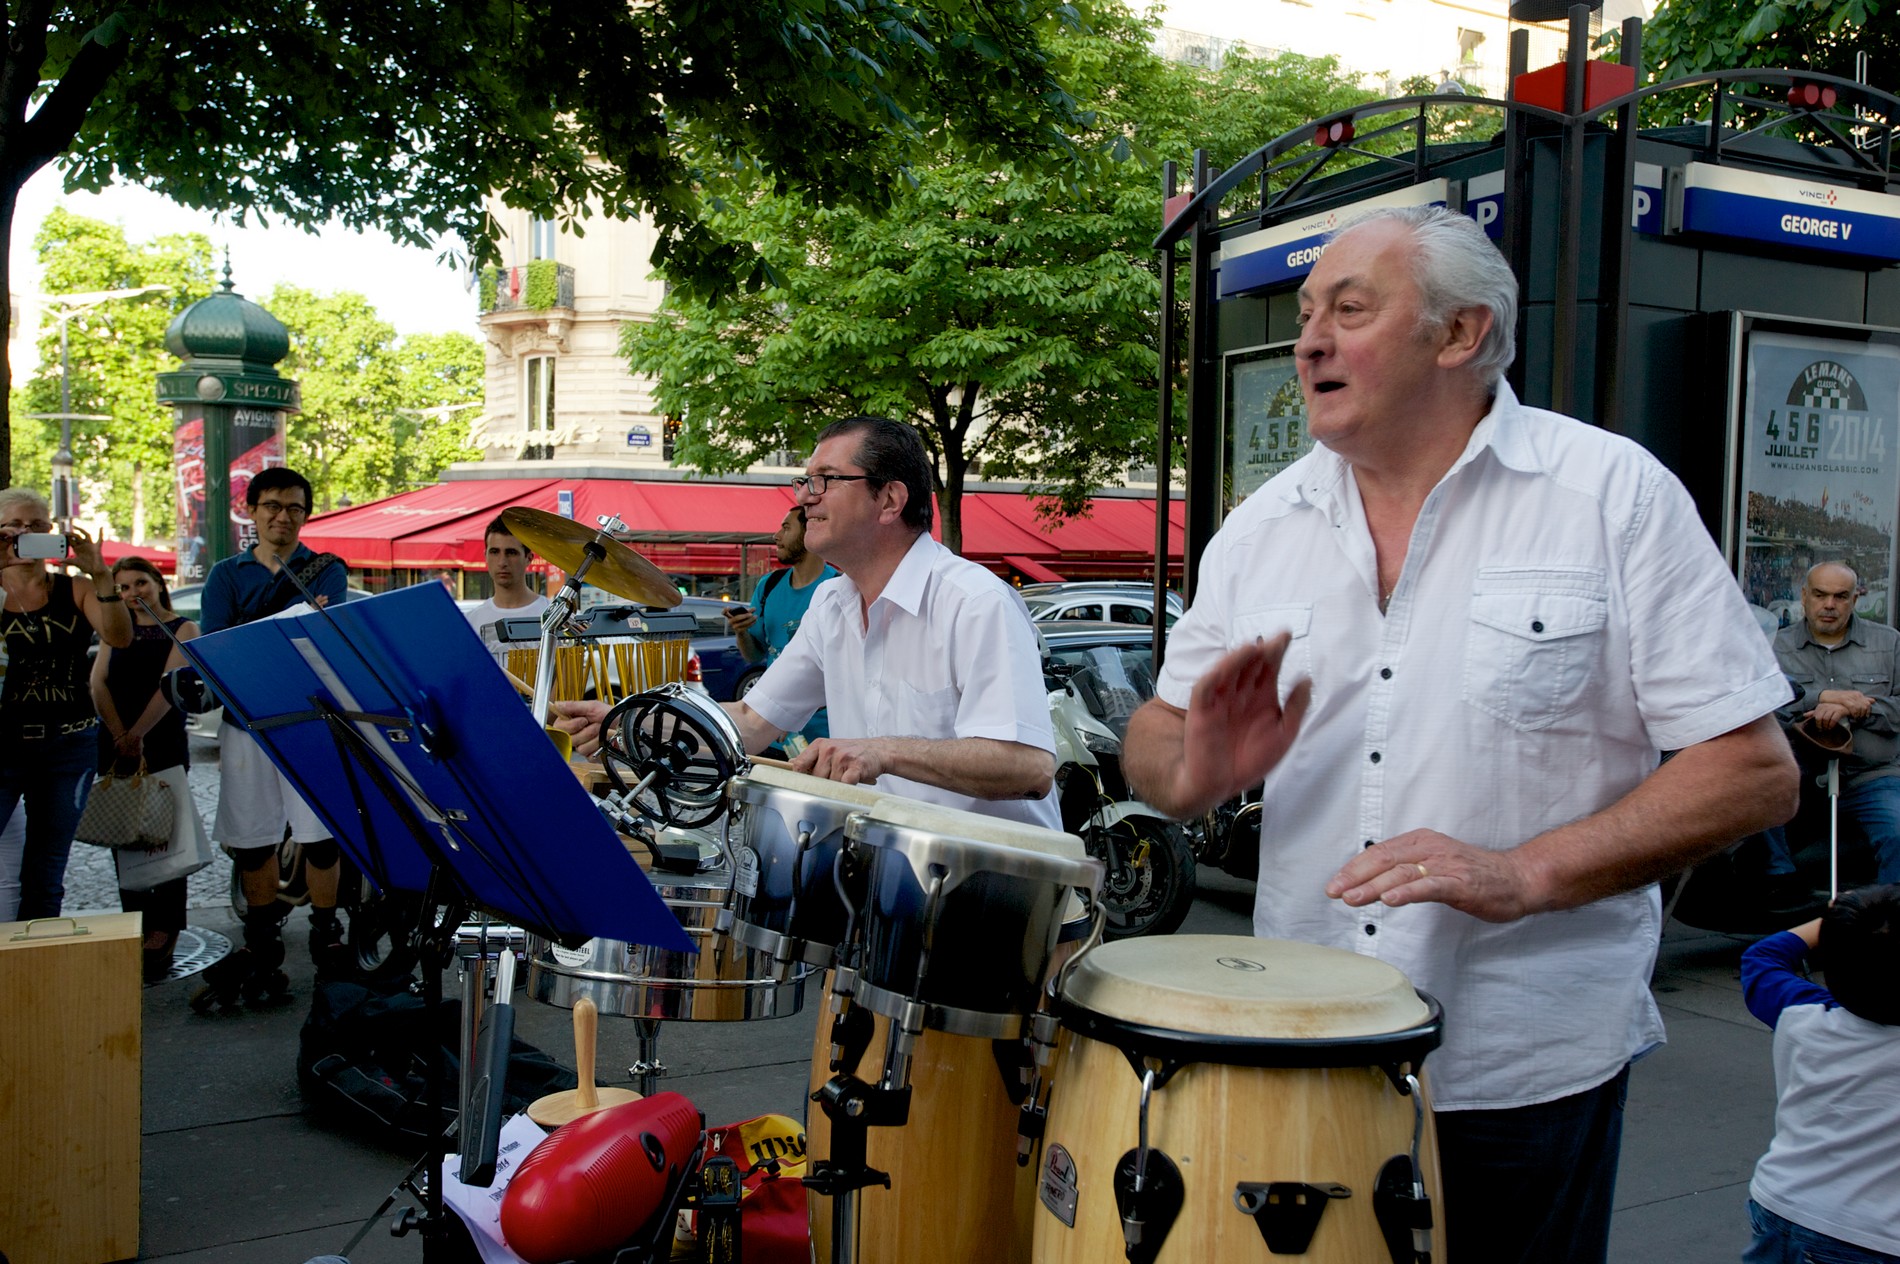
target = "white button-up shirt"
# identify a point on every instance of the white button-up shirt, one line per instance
(1562, 617)
(946, 651)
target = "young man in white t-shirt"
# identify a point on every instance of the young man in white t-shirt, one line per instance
(508, 560)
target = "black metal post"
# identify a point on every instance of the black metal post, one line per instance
(1565, 316)
(1204, 463)
(1164, 430)
(1620, 239)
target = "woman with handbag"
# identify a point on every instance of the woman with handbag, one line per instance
(46, 714)
(141, 732)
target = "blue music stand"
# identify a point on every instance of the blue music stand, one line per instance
(390, 719)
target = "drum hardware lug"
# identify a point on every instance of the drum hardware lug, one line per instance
(1146, 1064)
(1044, 1029)
(1404, 1211)
(1147, 1212)
(1287, 1212)
(1404, 1077)
(850, 1036)
(1017, 1066)
(1031, 1124)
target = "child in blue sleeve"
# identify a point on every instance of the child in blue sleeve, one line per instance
(1828, 1189)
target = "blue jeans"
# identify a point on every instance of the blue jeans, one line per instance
(52, 775)
(1533, 1185)
(1779, 1241)
(1870, 810)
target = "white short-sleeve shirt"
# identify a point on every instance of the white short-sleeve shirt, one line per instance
(1562, 617)
(946, 651)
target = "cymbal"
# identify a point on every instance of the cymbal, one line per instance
(563, 542)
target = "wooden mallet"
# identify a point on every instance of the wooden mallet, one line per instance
(559, 1108)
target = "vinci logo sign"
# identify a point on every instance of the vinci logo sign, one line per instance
(1723, 202)
(1288, 251)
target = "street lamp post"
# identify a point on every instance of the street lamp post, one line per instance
(65, 487)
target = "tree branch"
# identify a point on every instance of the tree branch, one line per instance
(53, 126)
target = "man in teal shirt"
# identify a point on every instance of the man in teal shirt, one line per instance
(778, 606)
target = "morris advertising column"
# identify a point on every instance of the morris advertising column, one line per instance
(230, 405)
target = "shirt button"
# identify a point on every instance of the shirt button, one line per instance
(1537, 625)
(1375, 757)
(1371, 929)
(1385, 673)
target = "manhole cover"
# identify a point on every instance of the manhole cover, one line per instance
(197, 948)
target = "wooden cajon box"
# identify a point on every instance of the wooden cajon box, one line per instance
(69, 1089)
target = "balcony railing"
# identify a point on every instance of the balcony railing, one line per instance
(527, 287)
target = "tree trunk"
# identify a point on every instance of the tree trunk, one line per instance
(9, 199)
(138, 502)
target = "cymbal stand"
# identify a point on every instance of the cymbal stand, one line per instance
(562, 608)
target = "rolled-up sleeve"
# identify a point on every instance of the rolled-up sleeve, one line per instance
(1698, 661)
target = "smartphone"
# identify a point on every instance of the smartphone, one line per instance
(38, 544)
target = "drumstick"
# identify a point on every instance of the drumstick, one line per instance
(522, 687)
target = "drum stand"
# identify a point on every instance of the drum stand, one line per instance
(854, 1108)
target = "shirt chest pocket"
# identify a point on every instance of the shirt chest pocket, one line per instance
(1296, 620)
(1535, 645)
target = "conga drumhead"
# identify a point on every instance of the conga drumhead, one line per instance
(935, 818)
(1241, 988)
(775, 777)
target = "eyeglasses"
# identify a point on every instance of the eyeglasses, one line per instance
(818, 484)
(270, 509)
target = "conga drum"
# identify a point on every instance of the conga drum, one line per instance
(1283, 1097)
(976, 965)
(786, 829)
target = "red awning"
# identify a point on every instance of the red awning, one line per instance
(701, 527)
(1032, 569)
(368, 535)
(114, 551)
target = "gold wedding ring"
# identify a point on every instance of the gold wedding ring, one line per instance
(1423, 872)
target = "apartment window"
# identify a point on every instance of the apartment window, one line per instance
(537, 407)
(541, 233)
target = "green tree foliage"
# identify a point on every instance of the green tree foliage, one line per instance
(381, 413)
(116, 350)
(407, 113)
(1008, 313)
(364, 431)
(1689, 37)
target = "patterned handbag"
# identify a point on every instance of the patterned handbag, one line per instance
(134, 811)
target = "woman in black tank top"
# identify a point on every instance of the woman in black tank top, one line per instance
(137, 723)
(46, 715)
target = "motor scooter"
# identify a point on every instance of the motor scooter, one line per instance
(1150, 881)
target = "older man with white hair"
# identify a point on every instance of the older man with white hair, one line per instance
(1454, 641)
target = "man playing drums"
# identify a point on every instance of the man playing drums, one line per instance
(927, 663)
(1453, 641)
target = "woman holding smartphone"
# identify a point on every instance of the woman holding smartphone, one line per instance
(47, 743)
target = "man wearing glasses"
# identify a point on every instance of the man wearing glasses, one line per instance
(256, 803)
(927, 663)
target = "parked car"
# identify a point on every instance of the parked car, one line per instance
(188, 599)
(1107, 601)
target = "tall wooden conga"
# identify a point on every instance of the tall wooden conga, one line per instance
(1280, 1119)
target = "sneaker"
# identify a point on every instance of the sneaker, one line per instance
(329, 944)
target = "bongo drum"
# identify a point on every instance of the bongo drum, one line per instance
(957, 1191)
(790, 828)
(1237, 1099)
